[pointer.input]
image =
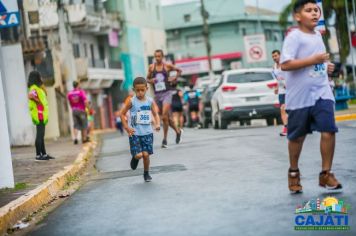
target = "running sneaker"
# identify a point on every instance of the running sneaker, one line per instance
(327, 180)
(134, 163)
(75, 141)
(284, 132)
(49, 157)
(41, 158)
(164, 144)
(179, 137)
(147, 177)
(294, 182)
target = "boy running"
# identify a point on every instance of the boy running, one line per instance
(158, 76)
(139, 128)
(280, 89)
(309, 99)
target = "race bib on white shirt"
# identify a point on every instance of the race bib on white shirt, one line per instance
(144, 118)
(318, 70)
(160, 85)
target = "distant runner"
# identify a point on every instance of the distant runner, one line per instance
(192, 97)
(158, 76)
(280, 89)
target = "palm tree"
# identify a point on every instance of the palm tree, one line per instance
(330, 7)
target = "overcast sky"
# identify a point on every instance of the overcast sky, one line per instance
(276, 5)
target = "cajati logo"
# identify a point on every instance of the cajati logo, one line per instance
(329, 213)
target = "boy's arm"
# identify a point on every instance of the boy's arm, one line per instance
(297, 64)
(156, 116)
(123, 111)
(149, 79)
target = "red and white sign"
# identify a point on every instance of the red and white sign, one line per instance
(255, 48)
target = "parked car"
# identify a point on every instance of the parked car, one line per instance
(205, 111)
(243, 95)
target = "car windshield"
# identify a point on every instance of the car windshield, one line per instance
(251, 77)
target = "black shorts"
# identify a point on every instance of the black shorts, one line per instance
(193, 108)
(282, 99)
(177, 108)
(319, 117)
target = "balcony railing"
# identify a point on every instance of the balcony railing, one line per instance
(104, 64)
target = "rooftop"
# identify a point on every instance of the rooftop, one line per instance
(185, 15)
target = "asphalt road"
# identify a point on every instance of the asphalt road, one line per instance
(231, 182)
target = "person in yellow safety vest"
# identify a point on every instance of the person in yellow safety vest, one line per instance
(38, 106)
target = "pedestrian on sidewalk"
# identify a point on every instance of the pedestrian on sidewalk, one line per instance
(78, 102)
(38, 106)
(309, 100)
(139, 128)
(280, 89)
(158, 76)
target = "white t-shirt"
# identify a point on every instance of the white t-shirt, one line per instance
(278, 73)
(307, 85)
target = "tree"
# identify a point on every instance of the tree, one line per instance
(330, 7)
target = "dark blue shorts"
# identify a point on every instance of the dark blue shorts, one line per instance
(319, 117)
(282, 99)
(140, 144)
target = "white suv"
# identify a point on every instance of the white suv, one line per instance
(243, 95)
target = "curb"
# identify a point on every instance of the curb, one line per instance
(346, 117)
(44, 193)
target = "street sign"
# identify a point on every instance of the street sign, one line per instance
(9, 13)
(321, 23)
(255, 48)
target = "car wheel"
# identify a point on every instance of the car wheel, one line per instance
(270, 121)
(205, 123)
(214, 122)
(222, 122)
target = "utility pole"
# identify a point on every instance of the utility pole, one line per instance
(350, 40)
(206, 33)
(67, 54)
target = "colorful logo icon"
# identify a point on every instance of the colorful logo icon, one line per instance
(329, 213)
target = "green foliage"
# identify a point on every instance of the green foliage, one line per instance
(329, 6)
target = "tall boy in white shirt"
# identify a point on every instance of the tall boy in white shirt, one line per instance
(309, 99)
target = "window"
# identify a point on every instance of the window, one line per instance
(195, 40)
(158, 14)
(243, 31)
(268, 34)
(173, 44)
(249, 78)
(76, 50)
(187, 17)
(142, 5)
(85, 50)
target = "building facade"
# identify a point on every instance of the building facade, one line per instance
(141, 34)
(229, 22)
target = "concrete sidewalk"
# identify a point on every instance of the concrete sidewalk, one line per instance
(345, 115)
(30, 173)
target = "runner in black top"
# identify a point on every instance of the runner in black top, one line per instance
(158, 77)
(192, 97)
(177, 106)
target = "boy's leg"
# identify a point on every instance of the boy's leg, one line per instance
(136, 151)
(324, 118)
(327, 149)
(295, 148)
(146, 161)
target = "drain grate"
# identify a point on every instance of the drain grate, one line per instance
(138, 172)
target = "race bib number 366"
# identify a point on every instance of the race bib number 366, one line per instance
(144, 117)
